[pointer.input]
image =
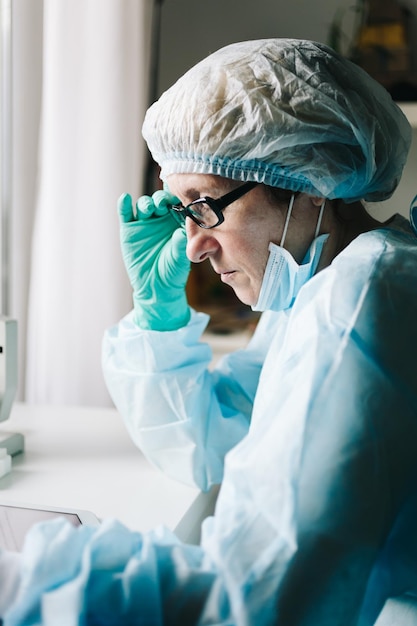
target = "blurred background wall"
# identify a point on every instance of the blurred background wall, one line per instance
(191, 29)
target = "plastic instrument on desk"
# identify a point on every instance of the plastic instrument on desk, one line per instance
(5, 462)
(13, 442)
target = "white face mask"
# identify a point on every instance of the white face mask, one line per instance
(284, 277)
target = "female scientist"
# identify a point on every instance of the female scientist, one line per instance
(267, 150)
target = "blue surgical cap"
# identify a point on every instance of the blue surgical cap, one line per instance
(284, 112)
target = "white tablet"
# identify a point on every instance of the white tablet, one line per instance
(16, 519)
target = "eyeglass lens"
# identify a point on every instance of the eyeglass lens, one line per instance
(203, 214)
(200, 212)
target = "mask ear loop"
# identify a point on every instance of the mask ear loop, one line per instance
(287, 219)
(316, 234)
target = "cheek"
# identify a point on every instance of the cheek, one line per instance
(254, 253)
(259, 263)
(259, 236)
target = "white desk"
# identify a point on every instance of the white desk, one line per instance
(83, 458)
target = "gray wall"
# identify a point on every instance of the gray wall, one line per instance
(191, 29)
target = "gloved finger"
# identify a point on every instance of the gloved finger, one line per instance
(145, 207)
(175, 261)
(125, 208)
(163, 200)
(179, 247)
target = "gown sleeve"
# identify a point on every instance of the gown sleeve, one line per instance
(183, 416)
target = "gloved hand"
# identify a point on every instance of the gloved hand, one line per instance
(153, 249)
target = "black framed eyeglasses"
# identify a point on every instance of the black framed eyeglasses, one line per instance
(207, 212)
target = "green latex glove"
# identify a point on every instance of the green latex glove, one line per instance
(153, 249)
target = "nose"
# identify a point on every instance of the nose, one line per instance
(201, 242)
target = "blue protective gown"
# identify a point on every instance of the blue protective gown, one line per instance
(313, 432)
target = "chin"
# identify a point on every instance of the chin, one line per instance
(245, 297)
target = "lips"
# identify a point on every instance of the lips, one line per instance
(225, 277)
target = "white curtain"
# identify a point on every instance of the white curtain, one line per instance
(81, 84)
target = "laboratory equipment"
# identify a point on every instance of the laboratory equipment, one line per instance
(12, 442)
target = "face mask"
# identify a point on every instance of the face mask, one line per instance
(283, 276)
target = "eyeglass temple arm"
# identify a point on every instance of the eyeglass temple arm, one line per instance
(235, 194)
